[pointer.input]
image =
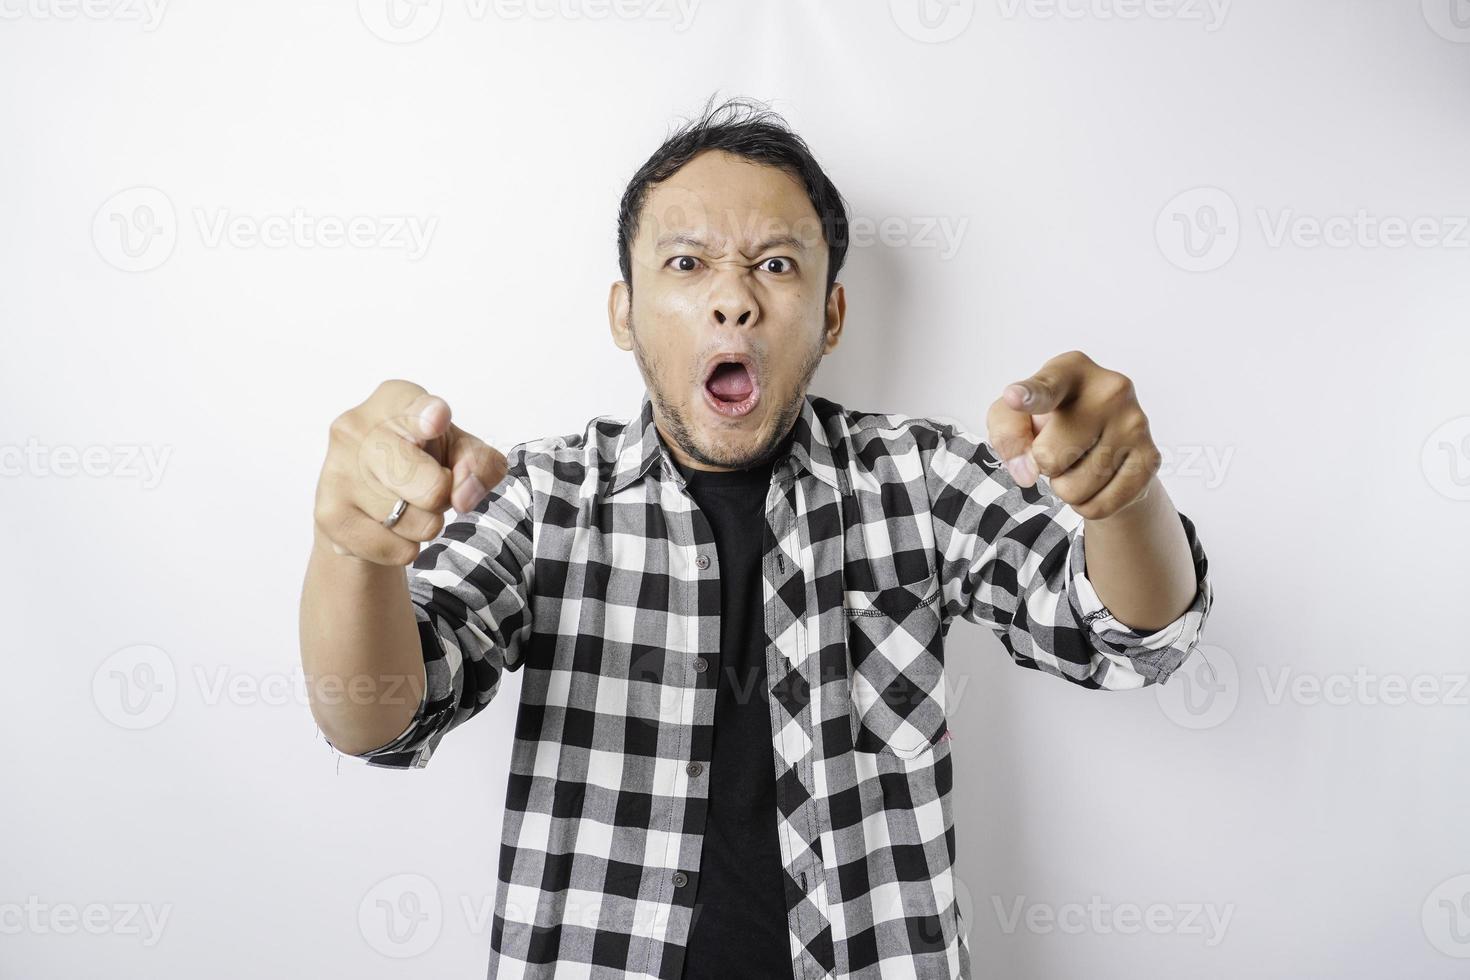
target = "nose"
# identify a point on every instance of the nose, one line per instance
(740, 321)
(731, 300)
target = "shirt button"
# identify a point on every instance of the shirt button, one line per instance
(700, 665)
(680, 879)
(702, 561)
(694, 768)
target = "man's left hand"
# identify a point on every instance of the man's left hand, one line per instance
(1080, 425)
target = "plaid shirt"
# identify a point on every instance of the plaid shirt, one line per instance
(591, 569)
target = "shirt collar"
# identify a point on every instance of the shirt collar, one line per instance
(813, 449)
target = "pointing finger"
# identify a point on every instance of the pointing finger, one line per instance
(424, 422)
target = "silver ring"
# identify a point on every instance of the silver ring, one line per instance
(396, 513)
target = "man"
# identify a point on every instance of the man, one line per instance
(731, 753)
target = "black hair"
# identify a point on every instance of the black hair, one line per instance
(747, 129)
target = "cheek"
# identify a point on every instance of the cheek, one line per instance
(679, 307)
(666, 342)
(665, 296)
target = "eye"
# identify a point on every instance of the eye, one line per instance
(683, 258)
(784, 264)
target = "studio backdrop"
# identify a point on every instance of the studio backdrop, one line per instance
(225, 224)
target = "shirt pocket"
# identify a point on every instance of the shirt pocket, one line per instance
(895, 656)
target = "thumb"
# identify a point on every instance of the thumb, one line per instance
(1034, 395)
(1049, 388)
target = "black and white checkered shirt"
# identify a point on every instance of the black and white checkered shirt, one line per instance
(592, 570)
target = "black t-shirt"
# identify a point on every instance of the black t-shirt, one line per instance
(739, 927)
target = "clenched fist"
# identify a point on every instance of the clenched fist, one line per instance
(399, 443)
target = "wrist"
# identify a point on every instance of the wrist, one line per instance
(1137, 509)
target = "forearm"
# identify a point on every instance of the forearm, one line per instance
(1139, 561)
(359, 649)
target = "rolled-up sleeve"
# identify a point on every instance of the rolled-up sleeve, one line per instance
(1012, 558)
(1150, 656)
(471, 589)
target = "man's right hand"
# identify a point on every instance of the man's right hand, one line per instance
(399, 443)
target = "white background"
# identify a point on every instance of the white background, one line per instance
(1311, 795)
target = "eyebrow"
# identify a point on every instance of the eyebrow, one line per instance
(681, 238)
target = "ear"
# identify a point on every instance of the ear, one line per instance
(619, 303)
(836, 314)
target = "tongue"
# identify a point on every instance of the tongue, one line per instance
(730, 383)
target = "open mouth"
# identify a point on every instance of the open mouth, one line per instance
(730, 385)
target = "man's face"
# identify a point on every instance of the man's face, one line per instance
(729, 260)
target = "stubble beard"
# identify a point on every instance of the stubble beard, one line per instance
(681, 433)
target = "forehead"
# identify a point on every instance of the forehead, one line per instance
(725, 199)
